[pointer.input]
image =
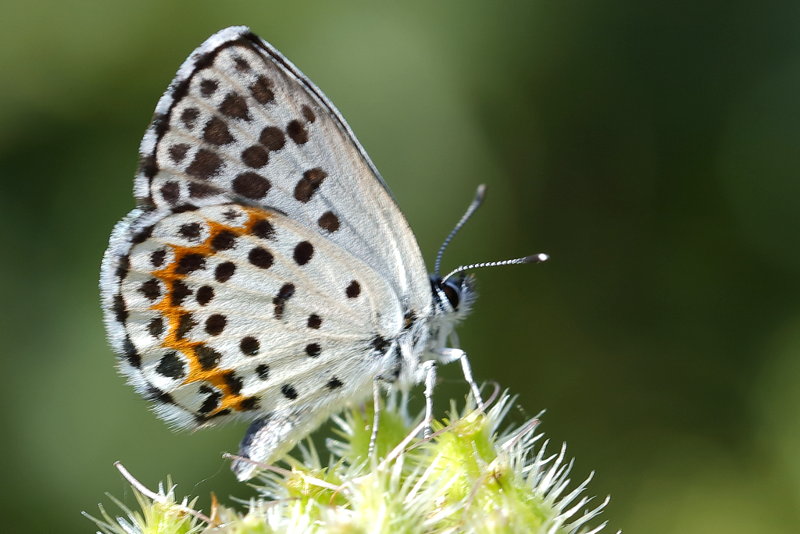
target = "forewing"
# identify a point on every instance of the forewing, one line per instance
(233, 309)
(240, 123)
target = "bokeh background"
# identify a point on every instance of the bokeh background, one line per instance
(652, 150)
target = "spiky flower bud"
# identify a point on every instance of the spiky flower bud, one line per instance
(468, 476)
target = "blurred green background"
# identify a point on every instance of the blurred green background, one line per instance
(652, 150)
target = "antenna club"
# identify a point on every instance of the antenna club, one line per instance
(536, 258)
(480, 194)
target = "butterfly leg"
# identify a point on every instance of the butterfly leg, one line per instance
(376, 415)
(429, 368)
(447, 355)
(404, 406)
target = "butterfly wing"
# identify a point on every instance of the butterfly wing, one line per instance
(241, 123)
(266, 269)
(233, 310)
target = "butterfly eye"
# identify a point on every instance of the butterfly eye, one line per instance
(452, 290)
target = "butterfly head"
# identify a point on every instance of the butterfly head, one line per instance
(454, 296)
(454, 293)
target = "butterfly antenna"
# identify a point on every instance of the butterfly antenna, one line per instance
(535, 258)
(480, 194)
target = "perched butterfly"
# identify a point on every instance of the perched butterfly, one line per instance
(266, 272)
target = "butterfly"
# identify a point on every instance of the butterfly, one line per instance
(266, 272)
